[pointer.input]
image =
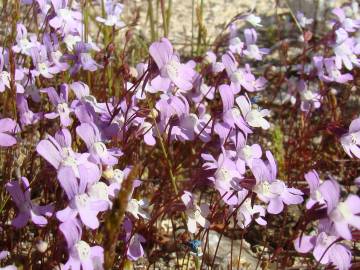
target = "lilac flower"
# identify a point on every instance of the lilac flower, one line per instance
(113, 11)
(252, 50)
(3, 255)
(54, 53)
(254, 117)
(216, 67)
(348, 24)
(246, 154)
(61, 104)
(137, 208)
(253, 20)
(80, 252)
(333, 73)
(345, 50)
(82, 58)
(235, 44)
(90, 134)
(271, 190)
(115, 177)
(27, 117)
(43, 66)
(5, 75)
(238, 77)
(351, 140)
(65, 19)
(325, 249)
(27, 209)
(310, 98)
(195, 214)
(226, 177)
(148, 133)
(343, 214)
(314, 182)
(7, 127)
(135, 249)
(84, 206)
(171, 70)
(70, 166)
(303, 21)
(23, 45)
(248, 212)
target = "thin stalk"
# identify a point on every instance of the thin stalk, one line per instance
(152, 22)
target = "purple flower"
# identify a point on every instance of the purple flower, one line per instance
(171, 70)
(90, 134)
(65, 19)
(84, 206)
(343, 214)
(61, 104)
(252, 50)
(54, 53)
(271, 190)
(82, 58)
(27, 117)
(303, 21)
(345, 50)
(42, 64)
(216, 67)
(310, 98)
(27, 209)
(249, 212)
(23, 45)
(351, 140)
(348, 24)
(7, 127)
(70, 166)
(80, 252)
(195, 214)
(325, 249)
(235, 44)
(254, 117)
(113, 11)
(135, 249)
(332, 71)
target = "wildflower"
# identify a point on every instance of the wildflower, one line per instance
(23, 44)
(253, 20)
(303, 21)
(345, 50)
(27, 117)
(60, 102)
(137, 208)
(195, 214)
(7, 128)
(216, 67)
(325, 248)
(310, 98)
(271, 190)
(254, 117)
(235, 44)
(248, 212)
(252, 50)
(70, 166)
(82, 58)
(171, 70)
(42, 64)
(99, 153)
(81, 254)
(195, 247)
(113, 11)
(348, 24)
(135, 249)
(65, 19)
(332, 72)
(351, 140)
(27, 209)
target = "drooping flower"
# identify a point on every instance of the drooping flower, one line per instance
(27, 209)
(248, 211)
(134, 249)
